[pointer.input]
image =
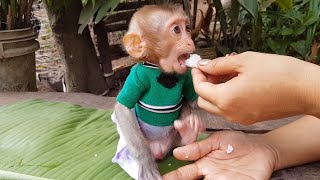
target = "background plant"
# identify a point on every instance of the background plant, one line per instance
(288, 27)
(15, 14)
(292, 32)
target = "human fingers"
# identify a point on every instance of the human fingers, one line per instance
(198, 76)
(208, 106)
(220, 66)
(191, 171)
(202, 86)
(216, 79)
(201, 77)
(197, 150)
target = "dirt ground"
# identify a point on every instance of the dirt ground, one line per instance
(49, 66)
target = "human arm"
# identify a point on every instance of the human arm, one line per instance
(254, 156)
(252, 87)
(296, 143)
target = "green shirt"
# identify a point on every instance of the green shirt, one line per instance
(142, 92)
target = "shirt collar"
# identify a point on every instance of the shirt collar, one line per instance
(150, 65)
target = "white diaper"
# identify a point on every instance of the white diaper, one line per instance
(122, 156)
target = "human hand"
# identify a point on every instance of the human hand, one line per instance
(251, 87)
(251, 158)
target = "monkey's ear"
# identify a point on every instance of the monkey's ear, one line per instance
(134, 45)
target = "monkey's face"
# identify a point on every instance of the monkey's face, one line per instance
(178, 46)
(160, 35)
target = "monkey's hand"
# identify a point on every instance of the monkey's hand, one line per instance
(189, 124)
(149, 170)
(189, 128)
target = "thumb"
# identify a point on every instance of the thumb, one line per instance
(220, 66)
(203, 87)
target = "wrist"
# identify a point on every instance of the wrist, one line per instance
(273, 152)
(288, 144)
(309, 90)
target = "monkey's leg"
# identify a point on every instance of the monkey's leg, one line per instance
(161, 139)
(136, 144)
(160, 149)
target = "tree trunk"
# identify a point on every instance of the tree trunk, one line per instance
(83, 72)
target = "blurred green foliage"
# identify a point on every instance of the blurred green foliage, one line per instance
(288, 27)
(94, 10)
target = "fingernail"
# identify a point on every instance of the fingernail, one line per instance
(204, 62)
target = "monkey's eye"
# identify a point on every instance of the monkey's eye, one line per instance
(177, 29)
(188, 28)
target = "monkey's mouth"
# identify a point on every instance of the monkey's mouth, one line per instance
(182, 59)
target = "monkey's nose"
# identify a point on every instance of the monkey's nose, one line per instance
(190, 44)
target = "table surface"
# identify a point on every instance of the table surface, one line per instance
(308, 172)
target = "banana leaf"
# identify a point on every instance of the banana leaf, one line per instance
(53, 140)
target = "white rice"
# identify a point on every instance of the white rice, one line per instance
(229, 149)
(193, 60)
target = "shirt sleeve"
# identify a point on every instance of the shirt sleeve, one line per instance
(188, 88)
(132, 89)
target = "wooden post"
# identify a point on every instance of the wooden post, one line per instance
(186, 6)
(194, 18)
(314, 51)
(103, 48)
(9, 18)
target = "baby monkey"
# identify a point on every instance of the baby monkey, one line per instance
(152, 113)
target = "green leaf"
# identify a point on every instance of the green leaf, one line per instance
(311, 30)
(300, 47)
(299, 30)
(169, 164)
(285, 5)
(251, 6)
(81, 28)
(60, 141)
(275, 46)
(84, 2)
(295, 14)
(286, 31)
(311, 18)
(313, 12)
(87, 13)
(108, 5)
(278, 47)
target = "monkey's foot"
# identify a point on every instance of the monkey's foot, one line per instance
(188, 128)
